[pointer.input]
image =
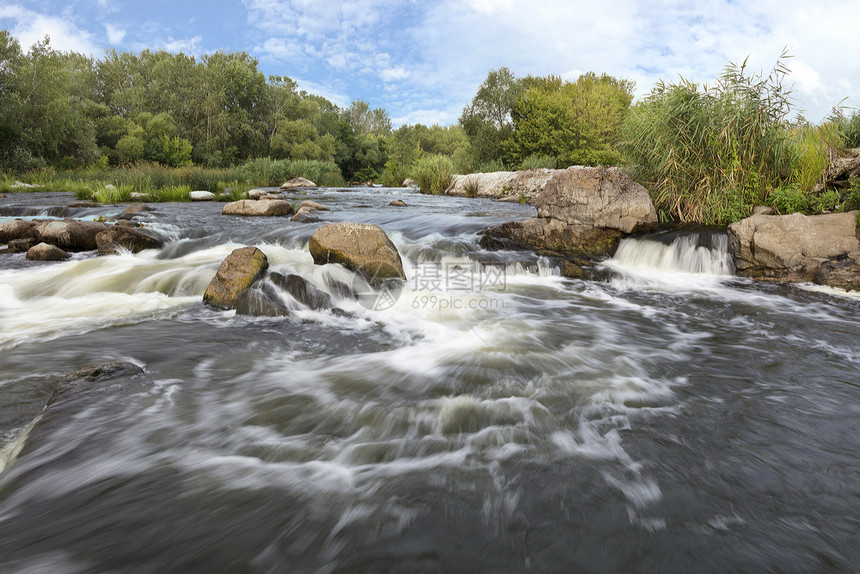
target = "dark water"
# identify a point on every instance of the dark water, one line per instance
(495, 418)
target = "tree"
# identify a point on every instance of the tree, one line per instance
(579, 123)
(487, 122)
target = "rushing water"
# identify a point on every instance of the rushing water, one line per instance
(496, 417)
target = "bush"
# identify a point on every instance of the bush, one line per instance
(788, 199)
(536, 162)
(433, 173)
(471, 186)
(852, 199)
(709, 155)
(826, 201)
(813, 147)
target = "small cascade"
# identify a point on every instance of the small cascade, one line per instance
(697, 253)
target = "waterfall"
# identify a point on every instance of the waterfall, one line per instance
(696, 253)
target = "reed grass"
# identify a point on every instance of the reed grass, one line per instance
(710, 154)
(433, 173)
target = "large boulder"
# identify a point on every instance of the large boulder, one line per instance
(797, 247)
(273, 207)
(504, 185)
(70, 234)
(237, 272)
(583, 210)
(298, 183)
(123, 238)
(361, 247)
(46, 252)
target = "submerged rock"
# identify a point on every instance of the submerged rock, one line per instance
(305, 215)
(398, 203)
(19, 245)
(237, 272)
(46, 252)
(134, 210)
(273, 207)
(260, 300)
(582, 210)
(797, 247)
(302, 291)
(313, 205)
(361, 247)
(120, 238)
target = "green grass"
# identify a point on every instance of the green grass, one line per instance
(471, 186)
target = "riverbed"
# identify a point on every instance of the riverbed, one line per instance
(488, 416)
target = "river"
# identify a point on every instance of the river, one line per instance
(491, 416)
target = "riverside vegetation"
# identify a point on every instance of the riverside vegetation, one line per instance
(162, 124)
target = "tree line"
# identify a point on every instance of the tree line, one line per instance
(68, 110)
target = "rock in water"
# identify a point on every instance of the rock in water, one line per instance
(313, 205)
(201, 196)
(46, 252)
(398, 203)
(17, 229)
(305, 215)
(298, 182)
(580, 210)
(260, 300)
(70, 234)
(235, 274)
(271, 207)
(361, 247)
(305, 293)
(797, 247)
(134, 239)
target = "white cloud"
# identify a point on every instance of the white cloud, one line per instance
(29, 27)
(394, 74)
(115, 34)
(186, 45)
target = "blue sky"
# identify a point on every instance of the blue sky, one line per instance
(423, 60)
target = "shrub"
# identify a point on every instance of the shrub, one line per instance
(433, 173)
(852, 199)
(813, 147)
(471, 187)
(709, 155)
(538, 161)
(788, 199)
(826, 201)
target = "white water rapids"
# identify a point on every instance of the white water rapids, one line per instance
(490, 416)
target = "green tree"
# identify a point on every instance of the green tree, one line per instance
(487, 121)
(579, 123)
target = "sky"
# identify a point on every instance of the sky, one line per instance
(423, 60)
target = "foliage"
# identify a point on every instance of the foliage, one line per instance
(813, 150)
(433, 173)
(487, 120)
(827, 201)
(848, 127)
(788, 199)
(852, 199)
(579, 123)
(471, 187)
(535, 161)
(708, 155)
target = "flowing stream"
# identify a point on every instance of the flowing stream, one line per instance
(490, 416)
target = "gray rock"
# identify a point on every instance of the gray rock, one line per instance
(793, 247)
(313, 205)
(256, 193)
(17, 229)
(19, 245)
(298, 182)
(302, 291)
(305, 215)
(122, 238)
(237, 272)
(201, 196)
(260, 300)
(274, 207)
(46, 252)
(581, 210)
(361, 247)
(70, 234)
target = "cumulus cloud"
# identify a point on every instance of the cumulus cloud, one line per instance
(29, 27)
(115, 34)
(186, 45)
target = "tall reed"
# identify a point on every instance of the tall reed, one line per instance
(709, 154)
